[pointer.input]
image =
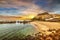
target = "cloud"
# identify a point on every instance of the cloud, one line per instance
(34, 9)
(26, 0)
(15, 3)
(30, 6)
(24, 6)
(55, 5)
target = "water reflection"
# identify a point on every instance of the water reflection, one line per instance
(10, 30)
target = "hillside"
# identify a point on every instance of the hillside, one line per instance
(47, 17)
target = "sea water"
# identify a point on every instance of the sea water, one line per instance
(9, 30)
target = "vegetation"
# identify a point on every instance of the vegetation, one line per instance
(49, 17)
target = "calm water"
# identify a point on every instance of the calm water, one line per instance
(10, 30)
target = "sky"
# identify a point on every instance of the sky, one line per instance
(18, 7)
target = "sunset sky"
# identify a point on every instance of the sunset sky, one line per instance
(18, 7)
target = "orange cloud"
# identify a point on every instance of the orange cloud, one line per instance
(33, 9)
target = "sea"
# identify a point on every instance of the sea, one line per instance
(19, 29)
